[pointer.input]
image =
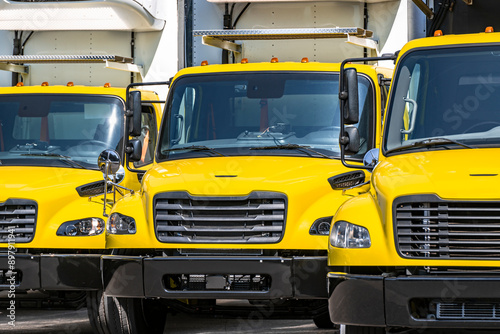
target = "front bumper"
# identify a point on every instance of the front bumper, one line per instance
(281, 277)
(52, 271)
(414, 301)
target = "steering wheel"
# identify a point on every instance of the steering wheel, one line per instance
(93, 142)
(329, 128)
(481, 124)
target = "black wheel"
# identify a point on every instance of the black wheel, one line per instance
(364, 330)
(323, 321)
(136, 316)
(96, 311)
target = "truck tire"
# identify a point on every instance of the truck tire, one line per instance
(323, 321)
(363, 330)
(137, 316)
(96, 311)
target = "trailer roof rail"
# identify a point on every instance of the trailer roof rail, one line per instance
(47, 59)
(17, 64)
(223, 38)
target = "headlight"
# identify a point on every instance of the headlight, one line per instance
(347, 235)
(121, 224)
(81, 227)
(321, 226)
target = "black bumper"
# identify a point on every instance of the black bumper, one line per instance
(54, 271)
(409, 301)
(288, 277)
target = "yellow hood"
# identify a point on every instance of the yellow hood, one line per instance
(240, 175)
(451, 174)
(54, 191)
(42, 183)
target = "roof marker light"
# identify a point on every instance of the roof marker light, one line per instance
(274, 60)
(489, 29)
(438, 33)
(70, 84)
(244, 60)
(19, 84)
(45, 83)
(204, 63)
(305, 60)
(107, 85)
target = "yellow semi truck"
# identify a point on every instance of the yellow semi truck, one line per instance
(420, 249)
(239, 203)
(52, 229)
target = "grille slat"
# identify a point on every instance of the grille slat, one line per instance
(468, 310)
(218, 219)
(17, 216)
(257, 218)
(429, 227)
(164, 206)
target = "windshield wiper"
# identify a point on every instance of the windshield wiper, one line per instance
(291, 147)
(429, 142)
(65, 158)
(194, 148)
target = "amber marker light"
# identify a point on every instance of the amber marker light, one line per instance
(244, 61)
(45, 83)
(305, 60)
(274, 60)
(438, 33)
(70, 84)
(204, 63)
(19, 84)
(489, 29)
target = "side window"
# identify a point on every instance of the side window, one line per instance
(409, 116)
(148, 136)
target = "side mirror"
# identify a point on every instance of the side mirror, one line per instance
(349, 94)
(134, 150)
(371, 158)
(351, 138)
(134, 112)
(109, 162)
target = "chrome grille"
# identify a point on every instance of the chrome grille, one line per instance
(17, 216)
(429, 227)
(468, 311)
(256, 218)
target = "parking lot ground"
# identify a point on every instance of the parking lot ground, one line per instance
(38, 321)
(43, 321)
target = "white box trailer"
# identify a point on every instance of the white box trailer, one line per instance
(144, 33)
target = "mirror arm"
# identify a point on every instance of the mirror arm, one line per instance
(121, 187)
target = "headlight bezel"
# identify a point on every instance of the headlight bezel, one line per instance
(321, 226)
(120, 224)
(85, 227)
(347, 235)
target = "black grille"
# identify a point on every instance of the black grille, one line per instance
(467, 311)
(93, 189)
(223, 282)
(256, 218)
(17, 220)
(429, 227)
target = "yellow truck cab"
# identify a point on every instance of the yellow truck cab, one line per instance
(51, 189)
(239, 203)
(421, 248)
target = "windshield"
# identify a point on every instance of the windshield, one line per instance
(445, 95)
(235, 113)
(36, 129)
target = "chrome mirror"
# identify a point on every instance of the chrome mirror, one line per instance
(371, 158)
(120, 174)
(109, 162)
